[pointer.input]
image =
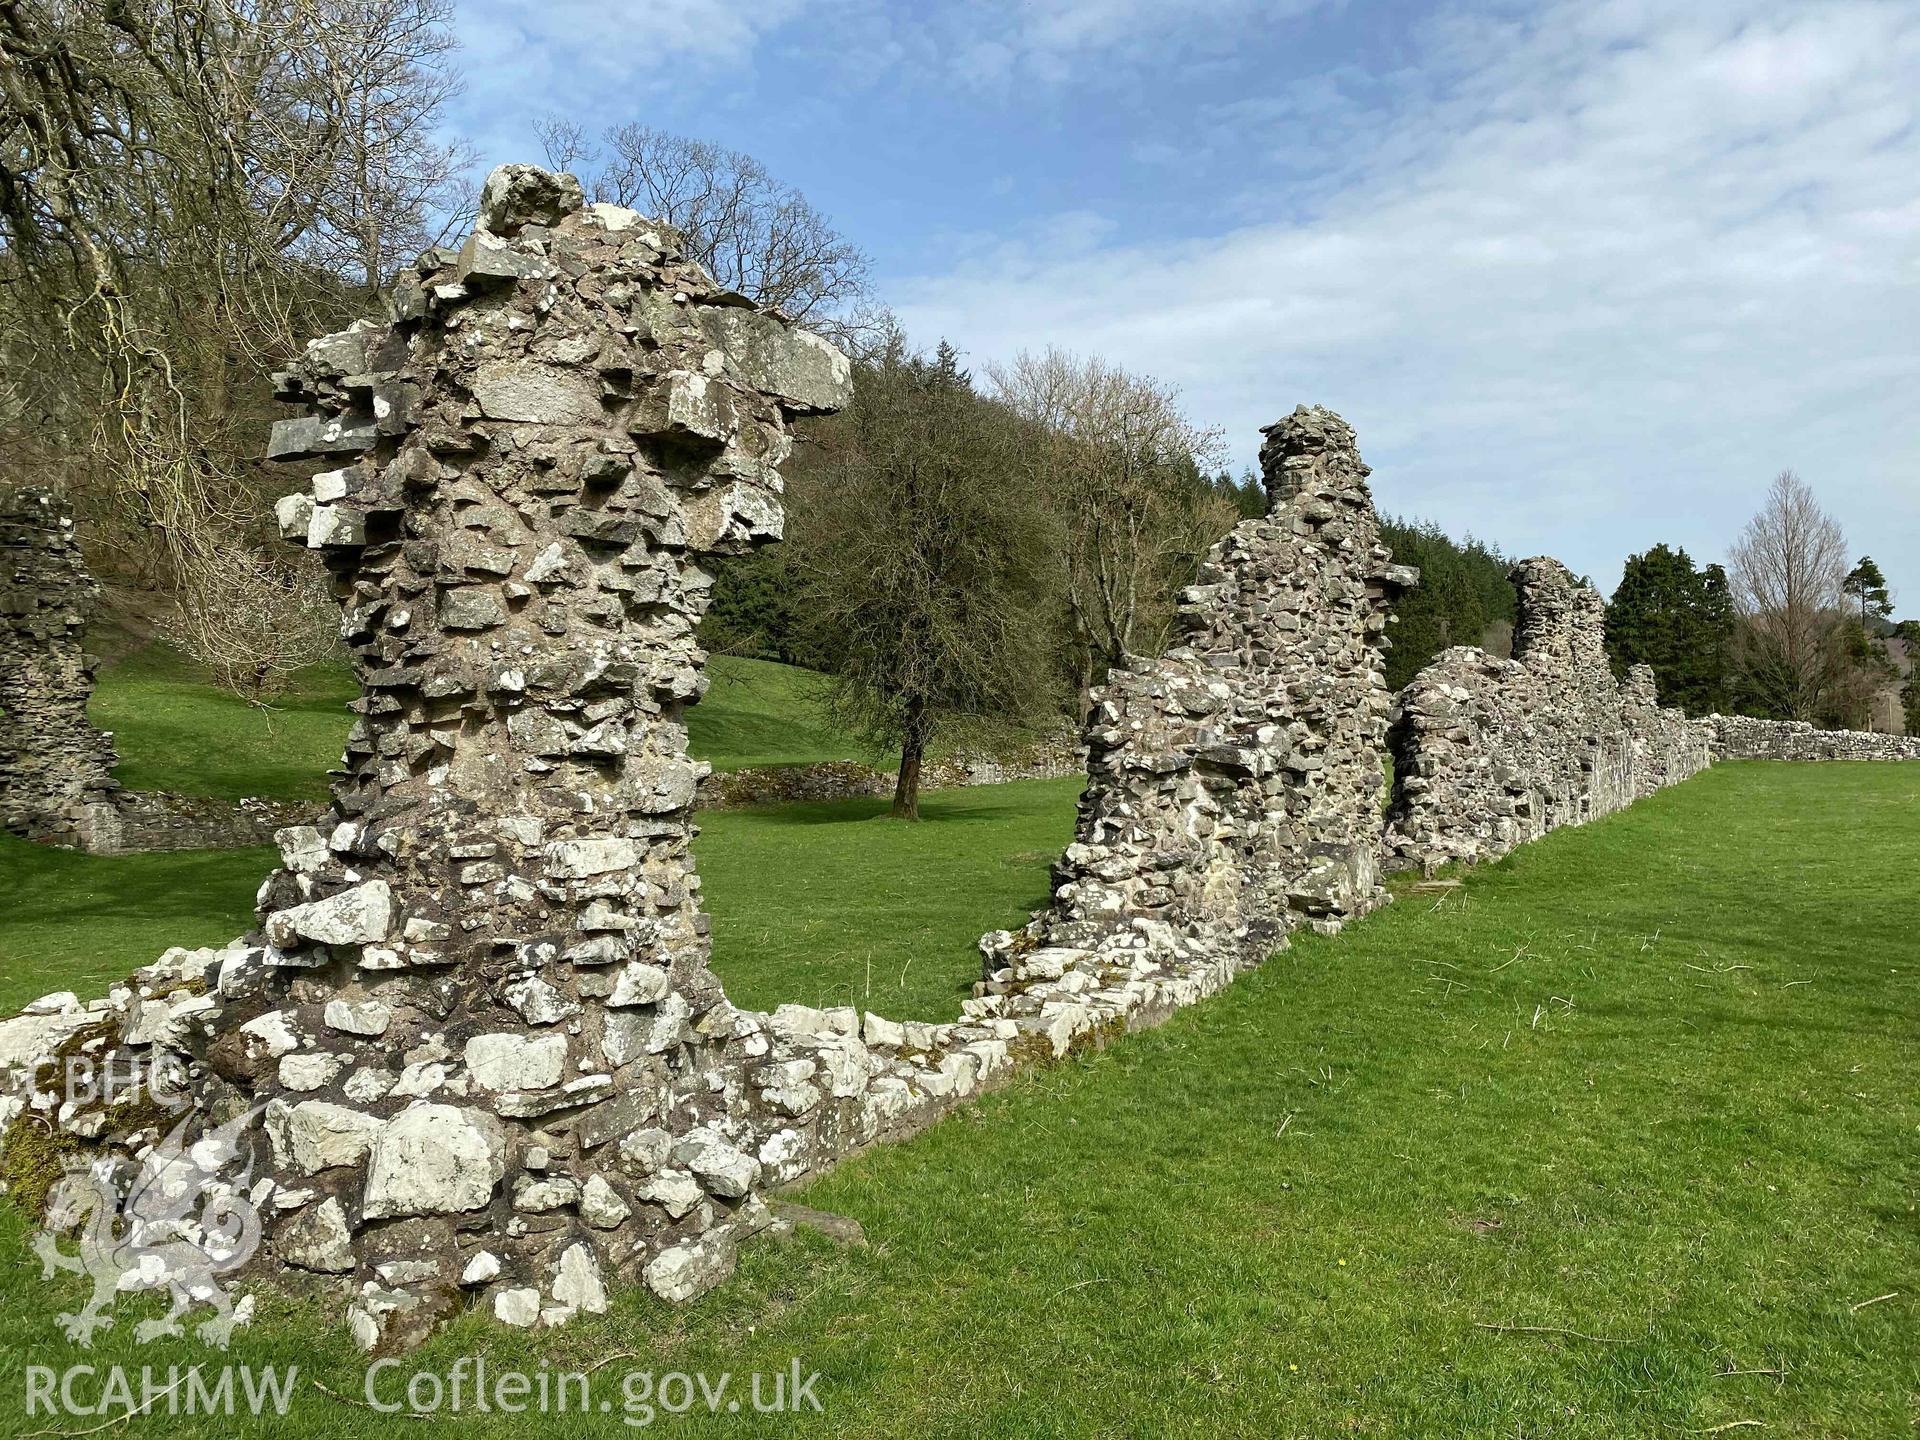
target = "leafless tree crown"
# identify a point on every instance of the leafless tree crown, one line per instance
(1787, 569)
(187, 189)
(754, 233)
(1126, 474)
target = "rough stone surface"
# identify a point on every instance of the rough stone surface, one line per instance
(434, 1160)
(56, 767)
(1491, 753)
(526, 473)
(1233, 785)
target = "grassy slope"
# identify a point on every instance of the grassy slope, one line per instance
(756, 712)
(176, 732)
(78, 922)
(1651, 1081)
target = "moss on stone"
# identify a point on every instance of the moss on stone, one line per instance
(33, 1157)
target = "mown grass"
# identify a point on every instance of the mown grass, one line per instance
(79, 922)
(177, 732)
(838, 904)
(1650, 1081)
(827, 904)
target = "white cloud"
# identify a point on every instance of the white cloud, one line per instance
(1609, 268)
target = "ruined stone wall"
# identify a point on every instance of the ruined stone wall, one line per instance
(1234, 783)
(56, 767)
(1491, 753)
(1233, 794)
(474, 1054)
(1742, 737)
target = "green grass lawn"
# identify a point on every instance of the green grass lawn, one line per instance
(837, 904)
(1651, 1081)
(79, 922)
(177, 732)
(828, 904)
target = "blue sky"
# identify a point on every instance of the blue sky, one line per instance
(1583, 276)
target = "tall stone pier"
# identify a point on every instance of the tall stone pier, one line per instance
(503, 918)
(56, 766)
(473, 1052)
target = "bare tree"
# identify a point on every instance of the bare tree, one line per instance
(1788, 570)
(755, 234)
(255, 619)
(1126, 472)
(188, 188)
(384, 67)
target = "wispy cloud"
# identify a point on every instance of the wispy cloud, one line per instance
(1610, 266)
(1056, 41)
(525, 58)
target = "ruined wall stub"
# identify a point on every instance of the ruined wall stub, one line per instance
(1491, 753)
(1234, 784)
(56, 767)
(570, 419)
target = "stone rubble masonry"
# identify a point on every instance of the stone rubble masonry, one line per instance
(1233, 784)
(56, 766)
(477, 1017)
(1742, 737)
(1491, 753)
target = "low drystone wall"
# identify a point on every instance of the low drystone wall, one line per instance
(1491, 753)
(1054, 759)
(146, 820)
(1741, 737)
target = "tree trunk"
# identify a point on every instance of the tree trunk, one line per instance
(913, 749)
(1083, 684)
